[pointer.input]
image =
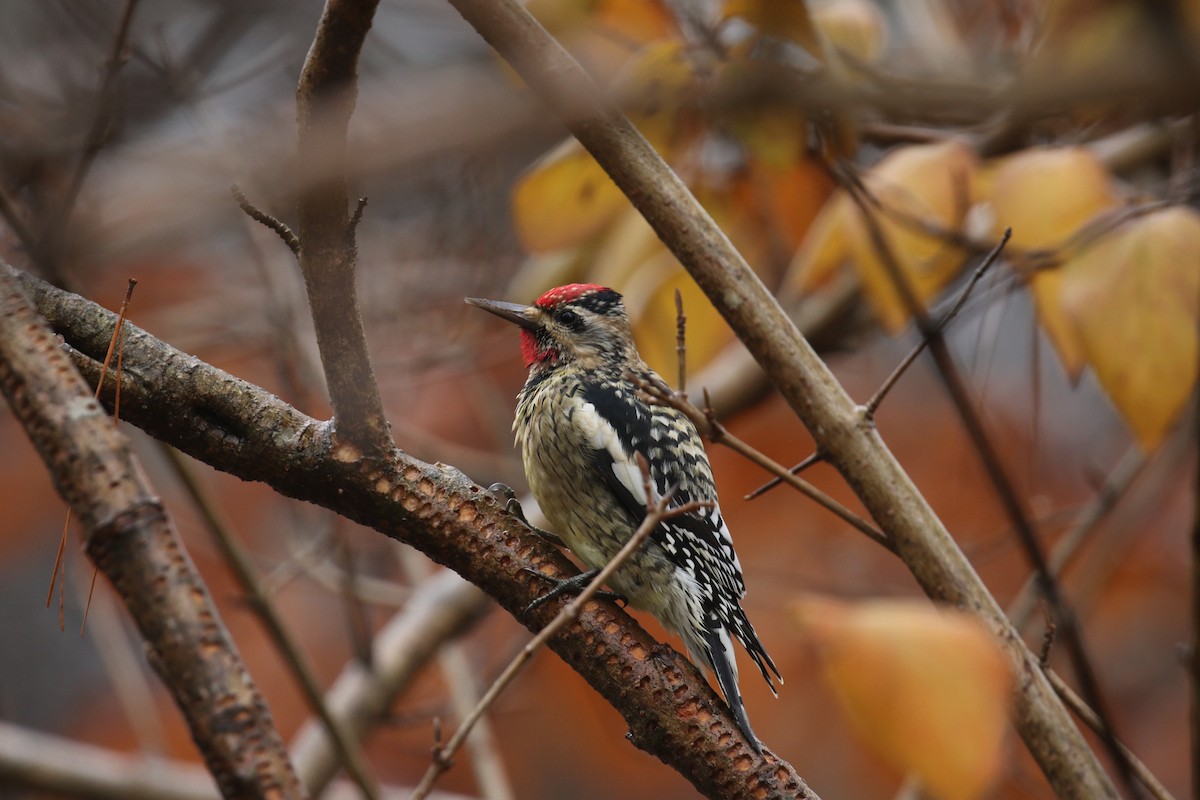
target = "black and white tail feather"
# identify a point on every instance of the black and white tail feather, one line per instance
(698, 542)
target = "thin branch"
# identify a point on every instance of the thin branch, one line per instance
(1085, 522)
(441, 608)
(873, 404)
(1144, 776)
(63, 767)
(855, 449)
(801, 465)
(681, 343)
(656, 512)
(707, 424)
(263, 218)
(94, 139)
(462, 680)
(1010, 500)
(348, 748)
(58, 559)
(1193, 661)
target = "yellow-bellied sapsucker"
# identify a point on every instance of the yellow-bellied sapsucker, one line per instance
(579, 422)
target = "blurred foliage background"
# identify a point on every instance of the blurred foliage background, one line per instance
(940, 123)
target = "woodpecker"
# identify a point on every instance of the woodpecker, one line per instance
(579, 423)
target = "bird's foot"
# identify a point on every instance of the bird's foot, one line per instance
(573, 585)
(512, 505)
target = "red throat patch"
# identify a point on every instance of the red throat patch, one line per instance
(566, 294)
(529, 350)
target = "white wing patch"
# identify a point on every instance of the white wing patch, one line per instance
(601, 435)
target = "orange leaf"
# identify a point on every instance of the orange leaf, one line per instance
(1045, 195)
(856, 26)
(1134, 297)
(927, 689)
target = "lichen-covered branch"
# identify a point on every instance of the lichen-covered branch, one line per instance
(129, 536)
(237, 427)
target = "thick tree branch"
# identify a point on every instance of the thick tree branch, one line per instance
(325, 100)
(130, 537)
(839, 427)
(234, 426)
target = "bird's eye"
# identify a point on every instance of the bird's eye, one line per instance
(570, 319)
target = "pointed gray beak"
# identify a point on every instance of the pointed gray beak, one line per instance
(524, 316)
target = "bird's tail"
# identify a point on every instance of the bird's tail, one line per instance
(720, 656)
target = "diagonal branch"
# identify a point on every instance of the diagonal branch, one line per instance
(839, 427)
(131, 538)
(1014, 507)
(348, 747)
(672, 712)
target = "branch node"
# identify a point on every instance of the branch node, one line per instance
(263, 218)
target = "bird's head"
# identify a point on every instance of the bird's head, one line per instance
(581, 323)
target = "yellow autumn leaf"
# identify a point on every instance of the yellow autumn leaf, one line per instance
(929, 183)
(1045, 195)
(565, 199)
(1134, 298)
(788, 199)
(928, 690)
(857, 27)
(783, 19)
(655, 89)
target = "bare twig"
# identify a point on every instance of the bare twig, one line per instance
(1144, 776)
(656, 512)
(348, 749)
(1084, 523)
(94, 139)
(112, 346)
(681, 343)
(263, 218)
(462, 678)
(873, 404)
(801, 465)
(707, 424)
(440, 608)
(1063, 614)
(1193, 662)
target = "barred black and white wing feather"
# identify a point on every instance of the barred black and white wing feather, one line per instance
(698, 543)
